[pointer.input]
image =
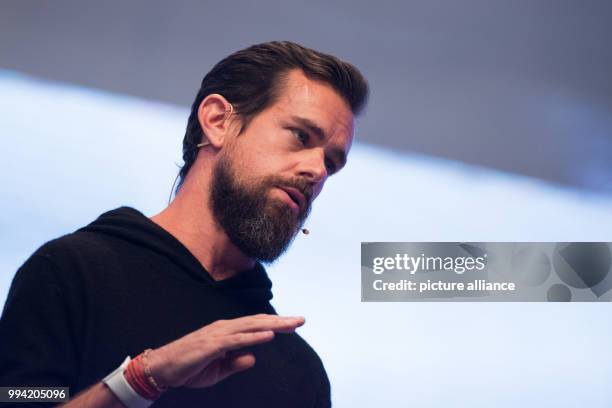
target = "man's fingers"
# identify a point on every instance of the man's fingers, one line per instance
(278, 325)
(264, 322)
(240, 340)
(233, 363)
(195, 359)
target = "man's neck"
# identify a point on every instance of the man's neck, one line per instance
(190, 220)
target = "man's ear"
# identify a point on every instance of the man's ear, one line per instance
(213, 115)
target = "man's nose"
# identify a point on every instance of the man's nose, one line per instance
(313, 168)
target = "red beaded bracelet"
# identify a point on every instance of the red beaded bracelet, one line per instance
(138, 378)
(148, 374)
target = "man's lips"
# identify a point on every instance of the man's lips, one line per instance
(296, 195)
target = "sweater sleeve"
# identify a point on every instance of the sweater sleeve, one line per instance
(38, 327)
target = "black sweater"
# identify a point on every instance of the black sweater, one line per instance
(81, 303)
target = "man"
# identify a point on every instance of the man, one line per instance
(268, 126)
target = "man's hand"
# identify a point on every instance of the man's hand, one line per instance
(201, 358)
(210, 354)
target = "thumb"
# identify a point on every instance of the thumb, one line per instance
(235, 362)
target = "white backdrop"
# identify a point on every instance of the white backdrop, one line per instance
(69, 154)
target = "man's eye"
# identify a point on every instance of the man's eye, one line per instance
(301, 136)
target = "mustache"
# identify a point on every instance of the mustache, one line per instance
(300, 184)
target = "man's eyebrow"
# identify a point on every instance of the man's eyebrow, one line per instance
(338, 154)
(310, 125)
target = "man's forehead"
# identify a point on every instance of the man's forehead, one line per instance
(316, 102)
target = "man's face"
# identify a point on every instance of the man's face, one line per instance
(266, 178)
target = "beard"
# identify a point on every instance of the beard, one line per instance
(262, 227)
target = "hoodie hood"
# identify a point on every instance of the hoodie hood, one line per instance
(131, 225)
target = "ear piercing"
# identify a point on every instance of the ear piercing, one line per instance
(230, 111)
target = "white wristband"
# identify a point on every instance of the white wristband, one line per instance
(123, 390)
